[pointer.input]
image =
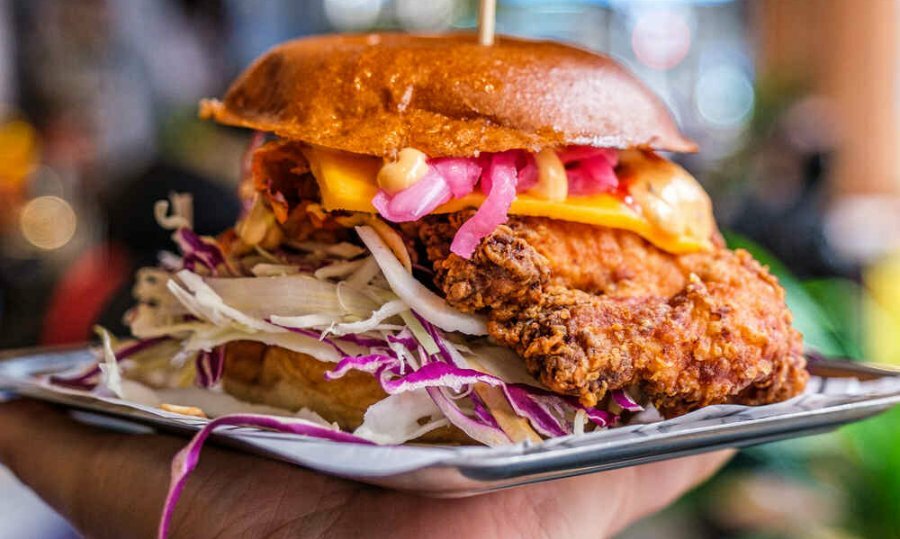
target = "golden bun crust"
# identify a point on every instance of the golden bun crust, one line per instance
(274, 376)
(445, 95)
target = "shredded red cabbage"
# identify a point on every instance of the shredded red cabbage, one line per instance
(315, 335)
(362, 340)
(195, 251)
(438, 375)
(404, 339)
(538, 414)
(437, 338)
(90, 377)
(625, 401)
(475, 429)
(85, 380)
(138, 346)
(601, 418)
(543, 409)
(186, 459)
(482, 413)
(371, 363)
(210, 365)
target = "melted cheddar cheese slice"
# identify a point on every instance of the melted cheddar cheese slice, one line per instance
(347, 182)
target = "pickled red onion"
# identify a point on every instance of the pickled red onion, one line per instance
(460, 173)
(589, 171)
(416, 201)
(528, 174)
(579, 153)
(501, 175)
(447, 177)
(592, 175)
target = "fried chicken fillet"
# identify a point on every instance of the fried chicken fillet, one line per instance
(592, 309)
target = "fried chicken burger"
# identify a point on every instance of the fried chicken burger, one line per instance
(449, 242)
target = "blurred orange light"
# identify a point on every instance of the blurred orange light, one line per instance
(18, 151)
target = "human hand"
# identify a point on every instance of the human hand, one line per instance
(113, 485)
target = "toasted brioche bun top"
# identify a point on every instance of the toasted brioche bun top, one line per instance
(444, 95)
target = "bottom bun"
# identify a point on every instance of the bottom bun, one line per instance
(275, 376)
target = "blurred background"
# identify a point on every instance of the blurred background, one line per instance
(795, 103)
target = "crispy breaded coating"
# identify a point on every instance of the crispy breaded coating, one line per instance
(591, 309)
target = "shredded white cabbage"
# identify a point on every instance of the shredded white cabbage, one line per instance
(214, 336)
(408, 360)
(579, 422)
(266, 255)
(109, 367)
(273, 270)
(290, 295)
(344, 249)
(111, 375)
(157, 312)
(304, 321)
(425, 302)
(501, 362)
(367, 271)
(396, 419)
(152, 320)
(257, 224)
(341, 250)
(216, 404)
(386, 311)
(204, 303)
(182, 211)
(418, 330)
(339, 269)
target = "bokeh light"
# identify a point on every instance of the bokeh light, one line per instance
(352, 14)
(661, 39)
(724, 96)
(430, 15)
(48, 222)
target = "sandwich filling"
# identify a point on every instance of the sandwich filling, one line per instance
(629, 190)
(503, 298)
(622, 284)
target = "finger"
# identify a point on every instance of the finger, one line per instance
(90, 476)
(602, 504)
(595, 505)
(657, 485)
(113, 485)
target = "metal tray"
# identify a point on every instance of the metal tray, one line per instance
(840, 392)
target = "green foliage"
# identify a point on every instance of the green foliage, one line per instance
(841, 302)
(872, 477)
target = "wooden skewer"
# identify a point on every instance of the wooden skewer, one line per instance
(487, 14)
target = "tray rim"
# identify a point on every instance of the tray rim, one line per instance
(497, 468)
